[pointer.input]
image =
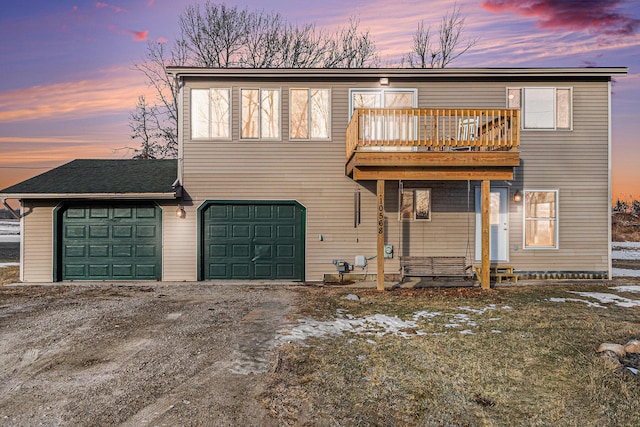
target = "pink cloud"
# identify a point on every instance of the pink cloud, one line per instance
(150, 3)
(161, 40)
(595, 16)
(139, 36)
(116, 9)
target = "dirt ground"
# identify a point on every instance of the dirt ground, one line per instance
(149, 354)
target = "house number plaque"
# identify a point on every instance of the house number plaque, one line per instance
(381, 214)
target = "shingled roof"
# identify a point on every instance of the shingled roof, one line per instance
(91, 178)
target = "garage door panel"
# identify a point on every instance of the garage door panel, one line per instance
(146, 251)
(285, 251)
(240, 231)
(98, 250)
(286, 271)
(259, 237)
(122, 231)
(240, 271)
(146, 231)
(264, 212)
(122, 270)
(75, 270)
(98, 231)
(76, 231)
(218, 271)
(111, 242)
(98, 270)
(218, 231)
(240, 250)
(75, 251)
(263, 271)
(99, 213)
(240, 211)
(286, 231)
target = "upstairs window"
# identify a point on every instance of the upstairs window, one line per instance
(210, 113)
(541, 219)
(543, 108)
(415, 204)
(260, 114)
(392, 125)
(309, 114)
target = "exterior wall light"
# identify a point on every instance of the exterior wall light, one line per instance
(384, 81)
(180, 213)
(517, 196)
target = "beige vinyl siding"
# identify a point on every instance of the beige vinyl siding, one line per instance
(312, 173)
(178, 243)
(37, 241)
(576, 164)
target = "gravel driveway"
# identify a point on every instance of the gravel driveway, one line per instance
(156, 354)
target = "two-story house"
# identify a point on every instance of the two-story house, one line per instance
(282, 171)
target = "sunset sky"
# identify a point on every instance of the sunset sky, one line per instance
(69, 83)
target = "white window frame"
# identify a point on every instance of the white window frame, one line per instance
(310, 115)
(259, 112)
(523, 115)
(381, 93)
(413, 191)
(210, 136)
(556, 236)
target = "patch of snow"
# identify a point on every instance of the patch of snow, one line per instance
(426, 315)
(480, 311)
(9, 264)
(495, 331)
(12, 238)
(625, 245)
(634, 289)
(377, 324)
(452, 325)
(589, 303)
(626, 255)
(467, 332)
(625, 272)
(609, 298)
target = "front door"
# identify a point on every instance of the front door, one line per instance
(499, 223)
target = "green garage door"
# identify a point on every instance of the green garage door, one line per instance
(110, 242)
(253, 240)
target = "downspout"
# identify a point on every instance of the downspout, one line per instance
(15, 214)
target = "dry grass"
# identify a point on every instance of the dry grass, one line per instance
(541, 369)
(9, 275)
(625, 228)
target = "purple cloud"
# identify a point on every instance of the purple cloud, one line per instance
(595, 16)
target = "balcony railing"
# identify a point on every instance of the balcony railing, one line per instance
(433, 129)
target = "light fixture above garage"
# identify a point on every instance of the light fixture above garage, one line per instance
(180, 213)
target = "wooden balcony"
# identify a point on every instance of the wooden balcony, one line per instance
(432, 144)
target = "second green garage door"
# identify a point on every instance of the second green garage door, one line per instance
(253, 240)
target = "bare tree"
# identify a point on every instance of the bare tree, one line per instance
(220, 36)
(450, 44)
(352, 48)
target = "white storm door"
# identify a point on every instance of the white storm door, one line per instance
(499, 224)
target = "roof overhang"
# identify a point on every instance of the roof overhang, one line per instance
(95, 196)
(573, 72)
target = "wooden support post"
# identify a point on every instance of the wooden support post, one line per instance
(380, 228)
(485, 280)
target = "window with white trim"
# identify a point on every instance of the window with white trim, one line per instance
(415, 204)
(211, 113)
(260, 114)
(541, 219)
(309, 114)
(543, 108)
(392, 126)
